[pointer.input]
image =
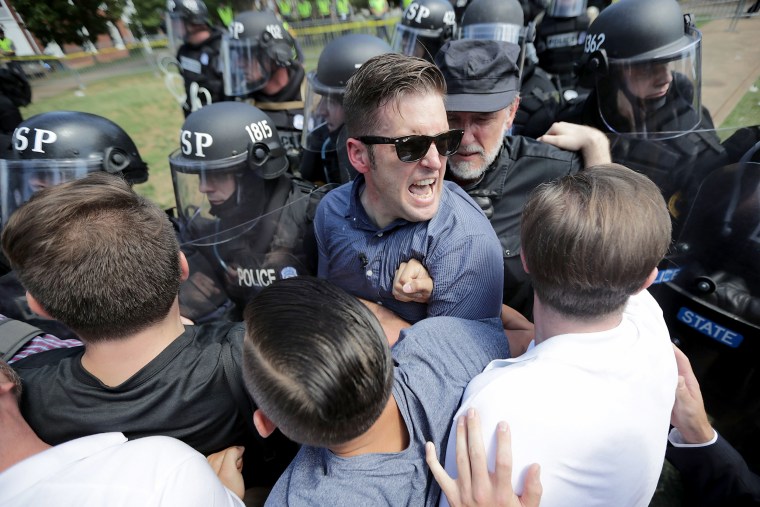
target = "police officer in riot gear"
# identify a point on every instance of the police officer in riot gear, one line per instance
(49, 149)
(198, 55)
(325, 159)
(243, 221)
(642, 59)
(425, 26)
(263, 66)
(502, 20)
(559, 42)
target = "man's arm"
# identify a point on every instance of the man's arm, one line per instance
(592, 144)
(475, 485)
(714, 473)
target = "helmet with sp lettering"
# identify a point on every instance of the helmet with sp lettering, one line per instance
(643, 57)
(227, 151)
(257, 43)
(425, 26)
(58, 146)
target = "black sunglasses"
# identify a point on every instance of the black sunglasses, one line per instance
(413, 148)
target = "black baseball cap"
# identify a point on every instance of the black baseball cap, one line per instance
(482, 76)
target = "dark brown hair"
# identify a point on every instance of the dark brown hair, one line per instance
(96, 256)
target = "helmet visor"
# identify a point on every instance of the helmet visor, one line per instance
(20, 179)
(245, 68)
(176, 31)
(223, 208)
(656, 98)
(323, 115)
(566, 8)
(416, 42)
(493, 31)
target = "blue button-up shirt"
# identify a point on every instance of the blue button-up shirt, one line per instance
(457, 246)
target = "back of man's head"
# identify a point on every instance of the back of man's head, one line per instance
(590, 240)
(386, 79)
(96, 256)
(316, 361)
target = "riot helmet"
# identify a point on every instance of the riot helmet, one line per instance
(643, 58)
(179, 15)
(256, 45)
(59, 146)
(339, 60)
(493, 20)
(425, 26)
(228, 151)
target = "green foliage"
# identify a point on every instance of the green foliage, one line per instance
(150, 13)
(62, 21)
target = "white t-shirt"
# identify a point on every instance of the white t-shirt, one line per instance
(106, 469)
(593, 409)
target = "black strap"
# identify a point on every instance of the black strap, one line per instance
(14, 334)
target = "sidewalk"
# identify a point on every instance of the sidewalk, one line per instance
(730, 64)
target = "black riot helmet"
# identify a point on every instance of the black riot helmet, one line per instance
(229, 162)
(459, 8)
(425, 26)
(501, 20)
(339, 60)
(179, 14)
(643, 57)
(257, 43)
(58, 146)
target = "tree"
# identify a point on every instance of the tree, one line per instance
(62, 21)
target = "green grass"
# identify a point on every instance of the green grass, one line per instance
(747, 111)
(144, 108)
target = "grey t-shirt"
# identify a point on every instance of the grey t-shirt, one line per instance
(435, 359)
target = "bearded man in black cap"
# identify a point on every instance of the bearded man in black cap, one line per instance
(499, 170)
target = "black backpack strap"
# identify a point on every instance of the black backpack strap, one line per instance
(14, 334)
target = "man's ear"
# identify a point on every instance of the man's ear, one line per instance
(263, 425)
(649, 281)
(524, 264)
(358, 154)
(36, 307)
(512, 113)
(184, 268)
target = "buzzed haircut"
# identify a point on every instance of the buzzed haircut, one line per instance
(385, 79)
(96, 256)
(316, 361)
(591, 239)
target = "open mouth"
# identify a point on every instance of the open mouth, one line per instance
(423, 189)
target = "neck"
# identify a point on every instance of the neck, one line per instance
(387, 434)
(17, 440)
(371, 204)
(114, 361)
(549, 322)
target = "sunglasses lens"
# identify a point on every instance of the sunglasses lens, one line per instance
(413, 148)
(447, 144)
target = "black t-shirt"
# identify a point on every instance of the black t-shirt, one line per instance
(184, 393)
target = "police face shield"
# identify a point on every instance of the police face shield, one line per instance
(416, 42)
(323, 116)
(217, 202)
(175, 31)
(566, 8)
(653, 98)
(245, 67)
(717, 255)
(493, 31)
(20, 179)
